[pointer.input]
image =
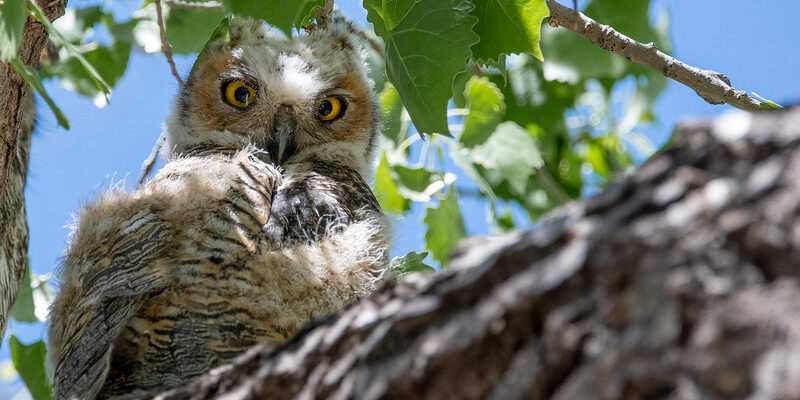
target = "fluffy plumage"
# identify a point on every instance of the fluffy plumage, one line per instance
(260, 221)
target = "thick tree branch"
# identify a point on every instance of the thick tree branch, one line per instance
(679, 281)
(13, 88)
(711, 86)
(16, 125)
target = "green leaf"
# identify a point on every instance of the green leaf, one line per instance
(59, 40)
(411, 262)
(32, 78)
(391, 108)
(386, 190)
(23, 309)
(445, 227)
(427, 44)
(279, 13)
(29, 363)
(512, 153)
(189, 29)
(76, 23)
(486, 109)
(508, 26)
(376, 66)
(419, 184)
(33, 299)
(505, 222)
(110, 63)
(12, 23)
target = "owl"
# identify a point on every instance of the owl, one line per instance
(260, 220)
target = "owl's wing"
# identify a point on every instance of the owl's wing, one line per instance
(112, 265)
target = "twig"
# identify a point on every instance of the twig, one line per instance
(165, 47)
(185, 4)
(713, 87)
(150, 161)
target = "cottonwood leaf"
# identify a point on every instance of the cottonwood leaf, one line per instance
(279, 13)
(512, 153)
(32, 78)
(29, 362)
(486, 109)
(23, 309)
(188, 29)
(12, 23)
(445, 227)
(508, 26)
(419, 184)
(411, 262)
(386, 190)
(427, 44)
(391, 108)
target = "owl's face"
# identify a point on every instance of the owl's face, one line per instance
(278, 94)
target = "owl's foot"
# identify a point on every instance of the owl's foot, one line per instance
(301, 214)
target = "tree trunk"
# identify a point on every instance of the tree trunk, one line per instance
(16, 125)
(677, 281)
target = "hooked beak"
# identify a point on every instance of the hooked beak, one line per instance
(285, 125)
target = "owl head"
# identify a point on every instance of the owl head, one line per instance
(281, 95)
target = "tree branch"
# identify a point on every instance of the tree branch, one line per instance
(16, 125)
(711, 86)
(186, 4)
(13, 87)
(165, 47)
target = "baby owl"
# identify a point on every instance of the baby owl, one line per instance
(260, 221)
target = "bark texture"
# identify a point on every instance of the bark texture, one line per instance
(680, 281)
(17, 114)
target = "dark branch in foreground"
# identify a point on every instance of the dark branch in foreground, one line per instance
(679, 281)
(711, 86)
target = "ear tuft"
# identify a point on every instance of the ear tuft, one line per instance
(245, 31)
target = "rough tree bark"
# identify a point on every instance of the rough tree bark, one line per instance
(678, 281)
(15, 141)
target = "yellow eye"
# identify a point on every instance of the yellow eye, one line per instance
(330, 108)
(238, 94)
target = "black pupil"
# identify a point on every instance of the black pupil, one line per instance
(241, 94)
(325, 107)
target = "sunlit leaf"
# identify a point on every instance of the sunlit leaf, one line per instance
(188, 29)
(427, 44)
(411, 262)
(279, 13)
(386, 190)
(32, 78)
(59, 40)
(486, 109)
(23, 309)
(508, 26)
(419, 184)
(12, 23)
(512, 153)
(391, 108)
(33, 298)
(29, 363)
(445, 227)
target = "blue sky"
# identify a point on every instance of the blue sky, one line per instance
(754, 43)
